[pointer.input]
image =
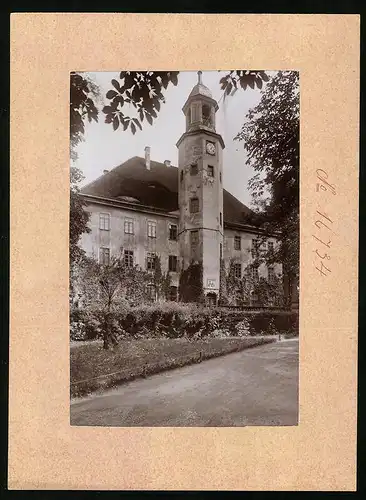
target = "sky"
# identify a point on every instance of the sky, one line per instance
(105, 148)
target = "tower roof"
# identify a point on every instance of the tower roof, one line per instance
(199, 88)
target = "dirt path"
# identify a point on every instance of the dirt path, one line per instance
(258, 386)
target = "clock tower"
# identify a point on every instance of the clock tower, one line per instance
(200, 191)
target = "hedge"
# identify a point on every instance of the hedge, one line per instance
(175, 320)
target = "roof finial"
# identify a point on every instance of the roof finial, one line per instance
(199, 73)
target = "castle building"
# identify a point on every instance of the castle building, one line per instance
(142, 208)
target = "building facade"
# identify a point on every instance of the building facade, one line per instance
(144, 209)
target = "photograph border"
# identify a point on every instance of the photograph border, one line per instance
(318, 454)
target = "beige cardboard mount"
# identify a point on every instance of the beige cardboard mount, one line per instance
(45, 452)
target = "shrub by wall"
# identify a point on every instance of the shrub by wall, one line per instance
(176, 320)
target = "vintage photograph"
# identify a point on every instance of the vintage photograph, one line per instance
(184, 248)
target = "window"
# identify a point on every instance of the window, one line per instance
(220, 250)
(173, 232)
(181, 176)
(151, 291)
(129, 226)
(151, 229)
(128, 258)
(255, 247)
(254, 273)
(210, 170)
(237, 243)
(206, 112)
(220, 177)
(271, 274)
(104, 222)
(104, 256)
(150, 261)
(270, 246)
(220, 219)
(173, 263)
(173, 293)
(194, 239)
(194, 169)
(194, 205)
(237, 270)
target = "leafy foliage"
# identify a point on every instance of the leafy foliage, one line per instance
(143, 91)
(162, 281)
(244, 79)
(271, 138)
(191, 283)
(249, 289)
(78, 216)
(82, 106)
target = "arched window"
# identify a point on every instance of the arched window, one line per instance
(206, 115)
(189, 116)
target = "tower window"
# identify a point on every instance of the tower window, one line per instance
(220, 177)
(210, 171)
(194, 169)
(220, 219)
(237, 243)
(173, 232)
(194, 239)
(206, 115)
(237, 270)
(194, 205)
(173, 261)
(181, 176)
(220, 251)
(104, 222)
(151, 229)
(128, 258)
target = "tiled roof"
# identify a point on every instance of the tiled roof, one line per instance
(157, 187)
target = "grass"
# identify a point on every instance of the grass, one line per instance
(94, 369)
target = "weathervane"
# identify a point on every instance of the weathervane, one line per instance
(199, 73)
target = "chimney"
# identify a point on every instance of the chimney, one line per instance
(167, 163)
(105, 171)
(147, 157)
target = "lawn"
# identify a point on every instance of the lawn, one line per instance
(93, 369)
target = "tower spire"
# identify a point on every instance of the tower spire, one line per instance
(199, 73)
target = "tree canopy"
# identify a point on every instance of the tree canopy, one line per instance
(144, 90)
(270, 135)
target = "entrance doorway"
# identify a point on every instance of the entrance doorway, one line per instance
(211, 299)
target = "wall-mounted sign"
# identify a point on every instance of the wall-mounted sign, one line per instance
(211, 283)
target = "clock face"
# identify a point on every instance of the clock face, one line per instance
(210, 148)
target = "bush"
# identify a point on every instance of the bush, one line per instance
(177, 320)
(274, 323)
